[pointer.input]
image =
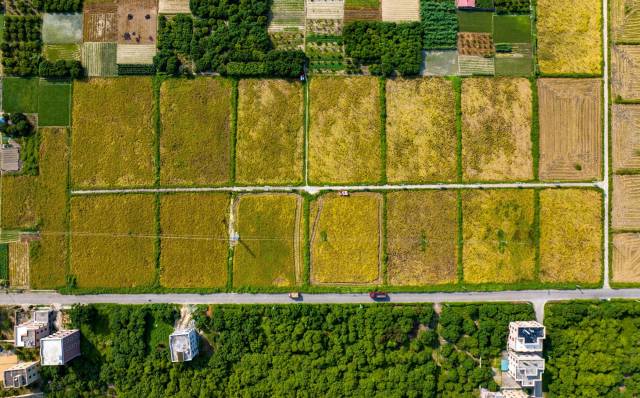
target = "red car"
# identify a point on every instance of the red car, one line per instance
(378, 295)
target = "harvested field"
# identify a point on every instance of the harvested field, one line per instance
(137, 21)
(475, 44)
(55, 52)
(422, 235)
(441, 63)
(54, 103)
(99, 59)
(625, 74)
(194, 249)
(171, 7)
(496, 129)
(346, 239)
(325, 9)
(569, 36)
(626, 202)
(570, 235)
(625, 136)
(473, 65)
(421, 130)
(625, 20)
(626, 258)
(270, 136)
(113, 241)
(19, 265)
(113, 148)
(100, 23)
(61, 28)
(135, 54)
(400, 10)
(340, 105)
(269, 251)
(286, 15)
(570, 129)
(195, 140)
(498, 235)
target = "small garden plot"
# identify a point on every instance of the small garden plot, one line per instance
(362, 10)
(325, 52)
(54, 103)
(625, 20)
(346, 239)
(324, 27)
(499, 236)
(270, 138)
(512, 28)
(135, 54)
(475, 22)
(422, 237)
(626, 258)
(172, 7)
(440, 24)
(113, 241)
(400, 10)
(194, 243)
(286, 15)
(19, 95)
(570, 235)
(329, 9)
(288, 41)
(99, 59)
(625, 77)
(626, 202)
(475, 44)
(421, 130)
(625, 135)
(113, 132)
(137, 22)
(344, 135)
(475, 65)
(269, 250)
(441, 63)
(569, 36)
(19, 265)
(513, 65)
(55, 52)
(570, 129)
(196, 131)
(61, 28)
(100, 23)
(496, 129)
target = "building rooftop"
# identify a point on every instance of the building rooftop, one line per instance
(10, 157)
(61, 334)
(21, 365)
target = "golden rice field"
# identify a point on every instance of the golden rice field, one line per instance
(19, 207)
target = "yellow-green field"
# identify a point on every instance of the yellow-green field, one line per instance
(113, 132)
(19, 201)
(269, 250)
(569, 36)
(570, 235)
(270, 137)
(421, 130)
(499, 236)
(194, 245)
(422, 234)
(195, 140)
(112, 240)
(496, 129)
(344, 131)
(346, 238)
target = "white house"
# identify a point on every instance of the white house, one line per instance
(60, 348)
(20, 375)
(183, 345)
(526, 336)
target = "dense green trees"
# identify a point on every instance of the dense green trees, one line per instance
(21, 45)
(58, 5)
(513, 6)
(593, 349)
(60, 69)
(439, 23)
(16, 125)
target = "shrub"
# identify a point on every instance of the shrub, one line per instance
(60, 69)
(440, 24)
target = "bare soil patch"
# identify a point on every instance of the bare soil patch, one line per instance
(137, 21)
(100, 23)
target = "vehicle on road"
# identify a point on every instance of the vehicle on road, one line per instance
(378, 296)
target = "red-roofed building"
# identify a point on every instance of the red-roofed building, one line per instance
(466, 3)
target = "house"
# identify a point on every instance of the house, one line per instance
(466, 3)
(525, 368)
(30, 333)
(60, 348)
(10, 156)
(526, 336)
(183, 345)
(20, 375)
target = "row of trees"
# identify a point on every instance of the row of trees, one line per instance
(60, 69)
(58, 5)
(19, 28)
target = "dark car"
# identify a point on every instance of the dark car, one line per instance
(378, 296)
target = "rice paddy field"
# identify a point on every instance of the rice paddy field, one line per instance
(194, 250)
(113, 133)
(54, 103)
(195, 138)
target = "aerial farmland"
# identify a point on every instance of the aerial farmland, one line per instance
(306, 145)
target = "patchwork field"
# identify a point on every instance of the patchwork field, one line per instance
(625, 75)
(195, 143)
(400, 10)
(330, 9)
(625, 136)
(54, 103)
(362, 10)
(475, 65)
(498, 235)
(570, 236)
(287, 15)
(570, 113)
(344, 131)
(269, 250)
(114, 147)
(113, 241)
(625, 20)
(61, 28)
(475, 44)
(135, 54)
(496, 129)
(99, 59)
(421, 130)
(422, 231)
(194, 249)
(569, 36)
(137, 21)
(626, 258)
(626, 202)
(346, 239)
(19, 95)
(100, 22)
(55, 52)
(478, 22)
(270, 138)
